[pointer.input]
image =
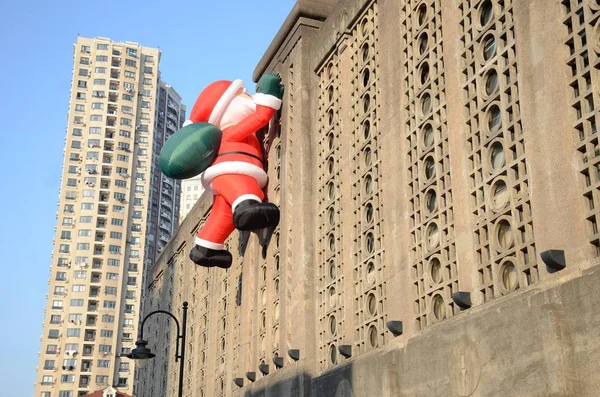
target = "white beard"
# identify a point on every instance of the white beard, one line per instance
(240, 107)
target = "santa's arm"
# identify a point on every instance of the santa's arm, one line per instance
(266, 106)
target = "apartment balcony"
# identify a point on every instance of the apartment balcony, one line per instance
(106, 159)
(116, 63)
(133, 267)
(91, 321)
(172, 117)
(97, 263)
(168, 192)
(165, 215)
(171, 126)
(164, 237)
(109, 146)
(171, 105)
(96, 278)
(86, 366)
(99, 251)
(111, 122)
(92, 306)
(167, 181)
(114, 74)
(165, 226)
(166, 204)
(103, 196)
(116, 52)
(113, 98)
(88, 350)
(84, 381)
(94, 292)
(102, 211)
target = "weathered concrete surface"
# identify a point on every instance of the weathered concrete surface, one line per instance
(539, 342)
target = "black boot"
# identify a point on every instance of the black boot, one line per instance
(254, 215)
(209, 258)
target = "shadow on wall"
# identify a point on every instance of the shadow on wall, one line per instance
(334, 383)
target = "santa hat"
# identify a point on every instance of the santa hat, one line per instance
(212, 102)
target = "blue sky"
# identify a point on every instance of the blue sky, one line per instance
(201, 41)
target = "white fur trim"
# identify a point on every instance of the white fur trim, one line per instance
(270, 101)
(233, 167)
(187, 122)
(221, 106)
(208, 244)
(244, 197)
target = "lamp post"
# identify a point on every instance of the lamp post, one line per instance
(141, 352)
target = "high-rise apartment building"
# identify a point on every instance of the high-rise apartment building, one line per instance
(437, 166)
(191, 191)
(110, 220)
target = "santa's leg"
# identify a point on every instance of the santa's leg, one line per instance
(245, 197)
(209, 250)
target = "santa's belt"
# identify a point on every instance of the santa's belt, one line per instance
(243, 153)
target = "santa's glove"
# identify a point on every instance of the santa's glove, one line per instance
(269, 91)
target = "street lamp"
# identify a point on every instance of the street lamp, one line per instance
(143, 354)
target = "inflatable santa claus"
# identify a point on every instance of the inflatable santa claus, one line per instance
(236, 177)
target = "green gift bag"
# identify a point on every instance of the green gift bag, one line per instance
(190, 151)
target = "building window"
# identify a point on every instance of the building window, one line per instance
(81, 84)
(103, 363)
(125, 121)
(87, 206)
(85, 49)
(113, 262)
(53, 334)
(99, 81)
(83, 246)
(76, 302)
(111, 276)
(102, 46)
(51, 349)
(116, 235)
(64, 248)
(83, 72)
(85, 219)
(130, 74)
(81, 95)
(102, 379)
(107, 318)
(80, 274)
(147, 69)
(73, 332)
(109, 304)
(101, 58)
(110, 290)
(47, 380)
(106, 333)
(130, 62)
(49, 364)
(100, 70)
(127, 109)
(79, 288)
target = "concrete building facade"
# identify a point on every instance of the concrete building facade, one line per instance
(433, 161)
(111, 194)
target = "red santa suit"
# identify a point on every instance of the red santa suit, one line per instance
(237, 177)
